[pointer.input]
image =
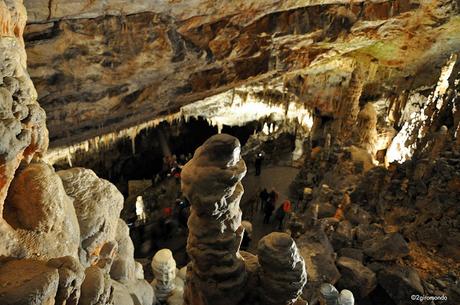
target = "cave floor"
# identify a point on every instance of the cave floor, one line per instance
(279, 177)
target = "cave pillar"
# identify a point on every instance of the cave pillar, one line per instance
(211, 181)
(348, 109)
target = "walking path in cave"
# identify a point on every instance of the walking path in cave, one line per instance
(279, 177)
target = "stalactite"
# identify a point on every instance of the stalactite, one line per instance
(349, 106)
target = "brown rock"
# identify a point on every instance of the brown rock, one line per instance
(211, 181)
(28, 282)
(283, 274)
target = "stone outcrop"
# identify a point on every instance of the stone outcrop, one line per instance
(211, 183)
(386, 248)
(98, 204)
(40, 211)
(22, 122)
(28, 282)
(356, 277)
(52, 227)
(282, 272)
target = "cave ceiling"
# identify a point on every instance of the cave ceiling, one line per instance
(101, 66)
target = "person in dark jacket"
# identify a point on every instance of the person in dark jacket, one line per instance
(268, 211)
(263, 196)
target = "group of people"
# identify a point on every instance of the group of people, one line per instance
(268, 203)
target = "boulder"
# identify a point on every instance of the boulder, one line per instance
(319, 257)
(343, 235)
(357, 215)
(400, 283)
(353, 253)
(387, 248)
(356, 277)
(365, 232)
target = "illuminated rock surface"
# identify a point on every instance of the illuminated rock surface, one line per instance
(367, 93)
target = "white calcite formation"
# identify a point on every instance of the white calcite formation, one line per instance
(331, 296)
(212, 183)
(168, 286)
(98, 204)
(60, 235)
(282, 272)
(40, 211)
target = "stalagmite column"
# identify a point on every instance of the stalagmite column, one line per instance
(282, 273)
(365, 131)
(211, 181)
(348, 109)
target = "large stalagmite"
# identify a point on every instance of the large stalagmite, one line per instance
(212, 183)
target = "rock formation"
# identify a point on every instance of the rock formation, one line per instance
(58, 232)
(40, 211)
(168, 286)
(211, 182)
(22, 122)
(282, 272)
(175, 53)
(331, 296)
(98, 204)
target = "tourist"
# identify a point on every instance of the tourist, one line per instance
(268, 210)
(281, 212)
(263, 196)
(273, 196)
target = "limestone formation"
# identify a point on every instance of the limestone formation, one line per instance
(71, 276)
(141, 291)
(125, 253)
(282, 274)
(22, 122)
(331, 295)
(28, 282)
(211, 183)
(365, 131)
(167, 285)
(356, 277)
(40, 211)
(98, 204)
(96, 288)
